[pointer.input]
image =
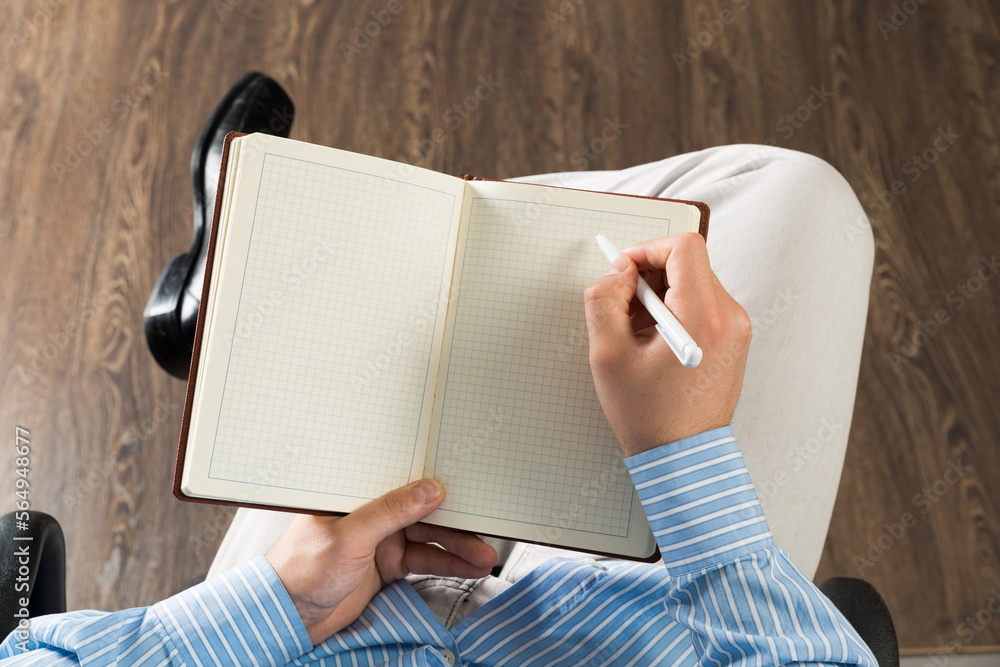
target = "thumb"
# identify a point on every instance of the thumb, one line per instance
(607, 305)
(402, 507)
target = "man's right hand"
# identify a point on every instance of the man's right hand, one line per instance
(649, 398)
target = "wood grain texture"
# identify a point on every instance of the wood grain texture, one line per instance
(102, 100)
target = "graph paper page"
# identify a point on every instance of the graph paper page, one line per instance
(315, 385)
(520, 440)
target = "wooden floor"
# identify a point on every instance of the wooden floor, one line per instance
(101, 102)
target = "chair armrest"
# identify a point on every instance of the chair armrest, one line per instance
(32, 568)
(865, 609)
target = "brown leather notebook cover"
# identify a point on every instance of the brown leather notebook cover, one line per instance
(199, 331)
(701, 206)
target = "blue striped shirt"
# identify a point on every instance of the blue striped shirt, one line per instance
(724, 594)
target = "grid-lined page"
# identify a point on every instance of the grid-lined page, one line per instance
(521, 434)
(330, 354)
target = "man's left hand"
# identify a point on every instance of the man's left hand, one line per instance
(333, 566)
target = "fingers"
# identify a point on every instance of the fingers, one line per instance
(686, 272)
(641, 319)
(429, 559)
(656, 279)
(684, 260)
(655, 253)
(607, 303)
(373, 522)
(464, 545)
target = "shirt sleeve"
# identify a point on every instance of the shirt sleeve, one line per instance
(730, 585)
(242, 617)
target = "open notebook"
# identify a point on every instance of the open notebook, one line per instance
(366, 323)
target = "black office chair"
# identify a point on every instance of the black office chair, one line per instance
(45, 574)
(32, 568)
(865, 609)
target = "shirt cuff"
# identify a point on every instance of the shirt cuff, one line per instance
(243, 616)
(700, 501)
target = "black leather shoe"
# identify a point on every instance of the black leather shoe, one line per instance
(256, 103)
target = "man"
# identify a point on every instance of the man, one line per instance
(791, 242)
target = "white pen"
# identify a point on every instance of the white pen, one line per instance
(677, 338)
